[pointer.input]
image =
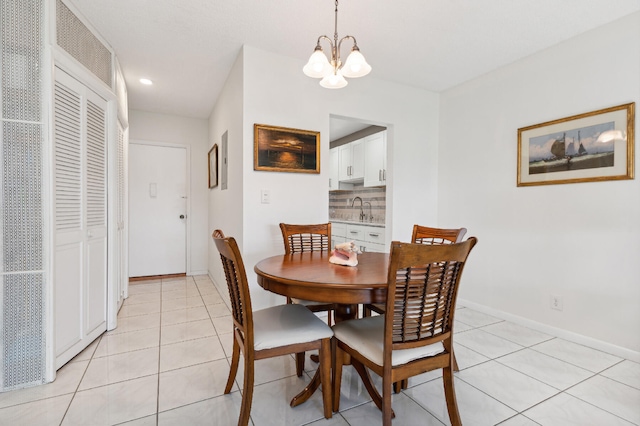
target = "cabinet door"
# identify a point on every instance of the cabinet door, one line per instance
(357, 159)
(373, 247)
(344, 162)
(334, 168)
(351, 161)
(375, 154)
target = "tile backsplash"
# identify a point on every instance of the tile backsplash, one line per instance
(340, 203)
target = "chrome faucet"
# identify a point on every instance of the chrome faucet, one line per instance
(361, 209)
(370, 218)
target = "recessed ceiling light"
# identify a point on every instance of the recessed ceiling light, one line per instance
(146, 81)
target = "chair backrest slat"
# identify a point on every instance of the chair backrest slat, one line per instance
(423, 283)
(306, 238)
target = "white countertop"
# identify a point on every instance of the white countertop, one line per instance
(355, 222)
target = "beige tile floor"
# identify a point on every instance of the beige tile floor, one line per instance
(168, 360)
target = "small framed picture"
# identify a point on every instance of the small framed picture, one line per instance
(589, 147)
(280, 149)
(213, 166)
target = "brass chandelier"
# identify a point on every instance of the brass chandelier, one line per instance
(333, 72)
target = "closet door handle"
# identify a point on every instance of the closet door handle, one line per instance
(182, 216)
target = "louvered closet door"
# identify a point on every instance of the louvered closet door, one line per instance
(80, 262)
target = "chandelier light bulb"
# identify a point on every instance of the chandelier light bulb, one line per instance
(318, 65)
(356, 65)
(334, 81)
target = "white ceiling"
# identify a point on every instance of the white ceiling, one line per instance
(187, 47)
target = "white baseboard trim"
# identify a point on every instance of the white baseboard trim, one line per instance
(555, 331)
(205, 272)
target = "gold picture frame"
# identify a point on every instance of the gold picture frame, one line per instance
(589, 147)
(282, 149)
(212, 156)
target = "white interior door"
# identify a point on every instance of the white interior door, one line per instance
(157, 210)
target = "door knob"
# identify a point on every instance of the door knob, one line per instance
(181, 216)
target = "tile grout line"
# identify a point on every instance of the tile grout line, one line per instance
(159, 357)
(81, 378)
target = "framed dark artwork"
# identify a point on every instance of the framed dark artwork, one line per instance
(280, 149)
(589, 147)
(213, 166)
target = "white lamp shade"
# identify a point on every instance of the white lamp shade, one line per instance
(333, 81)
(356, 65)
(318, 65)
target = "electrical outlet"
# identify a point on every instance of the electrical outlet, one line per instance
(556, 302)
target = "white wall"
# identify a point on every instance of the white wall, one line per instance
(580, 241)
(190, 132)
(294, 100)
(225, 206)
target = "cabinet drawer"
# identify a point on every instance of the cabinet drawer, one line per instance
(355, 232)
(374, 235)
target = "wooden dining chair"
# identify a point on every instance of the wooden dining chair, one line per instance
(424, 235)
(270, 332)
(416, 333)
(306, 238)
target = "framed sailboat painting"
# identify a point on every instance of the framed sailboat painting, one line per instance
(589, 147)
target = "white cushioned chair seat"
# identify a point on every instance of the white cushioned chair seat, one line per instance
(366, 336)
(287, 324)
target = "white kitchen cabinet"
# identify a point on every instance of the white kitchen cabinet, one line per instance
(338, 233)
(366, 237)
(334, 168)
(356, 233)
(374, 239)
(375, 156)
(351, 161)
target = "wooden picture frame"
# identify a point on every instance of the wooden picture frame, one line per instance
(213, 166)
(590, 147)
(281, 149)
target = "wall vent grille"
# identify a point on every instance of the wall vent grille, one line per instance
(78, 40)
(21, 23)
(22, 279)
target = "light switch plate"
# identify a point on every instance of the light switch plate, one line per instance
(265, 196)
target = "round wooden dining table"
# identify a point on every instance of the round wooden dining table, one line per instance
(310, 276)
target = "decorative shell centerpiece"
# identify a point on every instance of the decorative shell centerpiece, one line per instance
(345, 254)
